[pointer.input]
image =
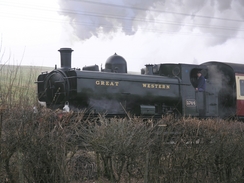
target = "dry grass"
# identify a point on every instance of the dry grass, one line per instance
(17, 85)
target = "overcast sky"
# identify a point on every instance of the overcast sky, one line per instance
(142, 31)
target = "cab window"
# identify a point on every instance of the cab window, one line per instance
(242, 87)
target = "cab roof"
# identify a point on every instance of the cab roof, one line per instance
(237, 68)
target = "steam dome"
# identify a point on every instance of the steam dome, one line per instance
(116, 63)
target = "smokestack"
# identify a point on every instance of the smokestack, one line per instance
(65, 54)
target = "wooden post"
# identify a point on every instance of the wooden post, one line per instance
(1, 123)
(98, 165)
(2, 108)
(20, 163)
(146, 168)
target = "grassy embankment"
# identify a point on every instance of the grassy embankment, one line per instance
(17, 85)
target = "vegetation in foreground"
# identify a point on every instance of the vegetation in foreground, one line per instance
(45, 147)
(49, 147)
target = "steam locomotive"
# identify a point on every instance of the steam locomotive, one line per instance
(159, 90)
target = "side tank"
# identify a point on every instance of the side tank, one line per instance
(117, 93)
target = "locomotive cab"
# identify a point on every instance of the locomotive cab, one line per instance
(228, 80)
(193, 75)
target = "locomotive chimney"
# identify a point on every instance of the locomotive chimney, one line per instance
(149, 69)
(65, 54)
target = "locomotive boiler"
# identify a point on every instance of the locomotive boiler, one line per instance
(159, 89)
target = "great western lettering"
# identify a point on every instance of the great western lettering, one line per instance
(107, 83)
(155, 86)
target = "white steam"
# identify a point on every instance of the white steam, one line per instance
(221, 19)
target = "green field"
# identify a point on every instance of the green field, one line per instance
(17, 84)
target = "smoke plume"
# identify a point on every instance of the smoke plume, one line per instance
(221, 19)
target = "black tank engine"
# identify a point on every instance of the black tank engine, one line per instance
(159, 89)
